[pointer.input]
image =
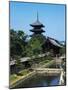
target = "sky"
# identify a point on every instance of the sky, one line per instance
(52, 16)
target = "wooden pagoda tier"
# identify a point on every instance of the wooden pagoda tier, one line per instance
(37, 31)
(37, 27)
(37, 24)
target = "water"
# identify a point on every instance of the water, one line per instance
(39, 81)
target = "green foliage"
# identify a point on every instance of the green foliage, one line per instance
(17, 43)
(37, 40)
(34, 47)
(35, 43)
(13, 77)
(18, 62)
(49, 57)
(19, 46)
(62, 50)
(24, 72)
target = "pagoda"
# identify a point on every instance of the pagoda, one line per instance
(37, 27)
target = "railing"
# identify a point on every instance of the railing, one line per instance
(48, 70)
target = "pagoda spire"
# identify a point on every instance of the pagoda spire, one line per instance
(37, 16)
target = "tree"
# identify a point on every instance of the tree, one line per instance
(62, 50)
(18, 65)
(13, 37)
(34, 47)
(36, 43)
(17, 43)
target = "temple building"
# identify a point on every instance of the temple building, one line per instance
(52, 45)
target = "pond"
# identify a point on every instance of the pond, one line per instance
(39, 81)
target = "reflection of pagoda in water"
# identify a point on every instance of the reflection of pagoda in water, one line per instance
(50, 44)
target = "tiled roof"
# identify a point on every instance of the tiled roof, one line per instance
(37, 23)
(55, 42)
(37, 30)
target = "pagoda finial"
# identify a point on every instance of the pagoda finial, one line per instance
(37, 16)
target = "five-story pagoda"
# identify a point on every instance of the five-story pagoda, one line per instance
(37, 27)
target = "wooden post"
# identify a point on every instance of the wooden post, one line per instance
(56, 61)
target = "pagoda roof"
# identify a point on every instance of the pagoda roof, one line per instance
(54, 42)
(37, 23)
(37, 30)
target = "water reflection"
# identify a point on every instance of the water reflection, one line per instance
(39, 81)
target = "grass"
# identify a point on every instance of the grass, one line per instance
(45, 61)
(14, 77)
(24, 72)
